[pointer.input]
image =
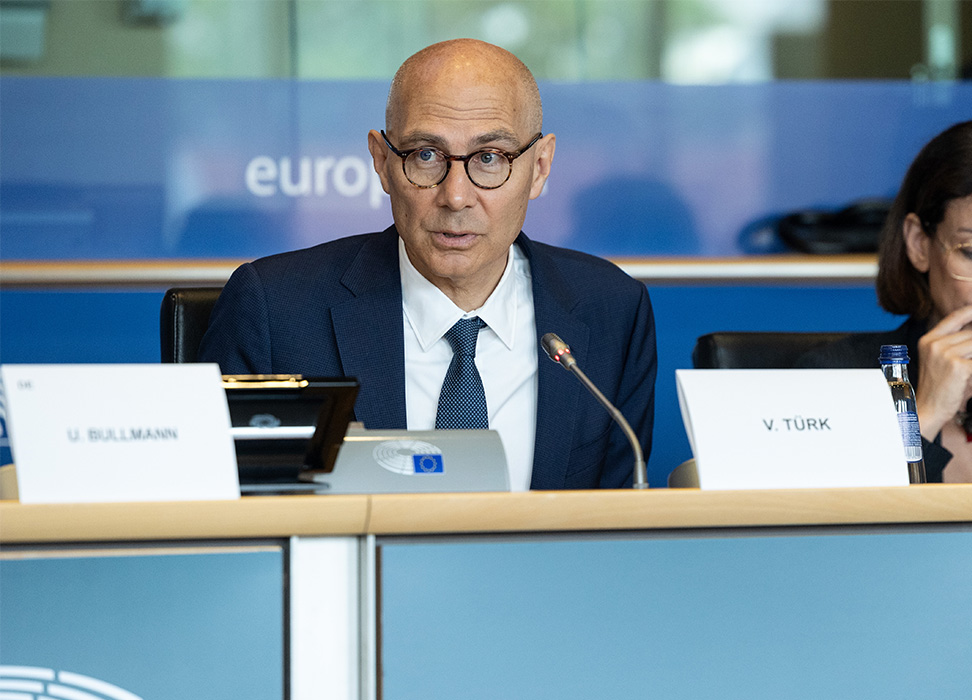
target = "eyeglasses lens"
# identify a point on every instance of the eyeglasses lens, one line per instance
(427, 167)
(960, 261)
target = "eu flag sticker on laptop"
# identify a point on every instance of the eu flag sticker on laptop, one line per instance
(428, 464)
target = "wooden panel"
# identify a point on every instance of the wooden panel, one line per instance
(535, 511)
(257, 516)
(666, 508)
(792, 268)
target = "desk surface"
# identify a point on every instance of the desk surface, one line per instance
(534, 511)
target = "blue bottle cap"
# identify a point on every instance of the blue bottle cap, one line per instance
(894, 354)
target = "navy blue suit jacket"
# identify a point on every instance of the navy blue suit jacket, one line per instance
(336, 310)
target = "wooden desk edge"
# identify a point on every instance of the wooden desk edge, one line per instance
(468, 513)
(246, 518)
(667, 509)
(687, 269)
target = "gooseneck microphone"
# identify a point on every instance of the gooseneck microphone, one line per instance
(558, 351)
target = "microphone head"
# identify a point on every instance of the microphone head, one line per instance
(557, 350)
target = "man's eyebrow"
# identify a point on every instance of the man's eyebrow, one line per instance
(423, 138)
(500, 137)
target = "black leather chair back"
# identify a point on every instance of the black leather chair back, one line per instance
(755, 349)
(183, 321)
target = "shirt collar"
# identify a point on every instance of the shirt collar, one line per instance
(431, 313)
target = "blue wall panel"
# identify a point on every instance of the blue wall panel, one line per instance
(57, 326)
(197, 624)
(869, 616)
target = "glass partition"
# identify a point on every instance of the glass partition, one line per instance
(678, 41)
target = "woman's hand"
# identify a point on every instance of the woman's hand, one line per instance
(945, 381)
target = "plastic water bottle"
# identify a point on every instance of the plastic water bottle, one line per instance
(894, 361)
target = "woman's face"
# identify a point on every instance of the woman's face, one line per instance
(931, 255)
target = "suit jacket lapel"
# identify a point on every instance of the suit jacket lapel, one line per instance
(558, 393)
(368, 331)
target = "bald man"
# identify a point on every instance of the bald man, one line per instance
(439, 315)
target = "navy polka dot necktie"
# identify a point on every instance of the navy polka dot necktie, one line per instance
(462, 402)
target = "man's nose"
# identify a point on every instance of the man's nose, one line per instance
(457, 191)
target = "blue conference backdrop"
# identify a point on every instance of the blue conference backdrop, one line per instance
(109, 168)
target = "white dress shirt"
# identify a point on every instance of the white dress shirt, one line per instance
(506, 356)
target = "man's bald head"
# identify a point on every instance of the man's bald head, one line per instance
(476, 62)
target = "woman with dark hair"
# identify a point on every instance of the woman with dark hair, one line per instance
(925, 271)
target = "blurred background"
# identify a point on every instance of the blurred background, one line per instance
(689, 42)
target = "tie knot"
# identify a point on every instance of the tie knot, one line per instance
(464, 334)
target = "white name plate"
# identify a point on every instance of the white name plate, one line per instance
(791, 428)
(101, 433)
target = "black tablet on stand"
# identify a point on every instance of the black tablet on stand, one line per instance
(286, 427)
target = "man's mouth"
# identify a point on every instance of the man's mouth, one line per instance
(459, 238)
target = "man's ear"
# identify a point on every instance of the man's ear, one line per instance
(541, 163)
(916, 242)
(379, 157)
